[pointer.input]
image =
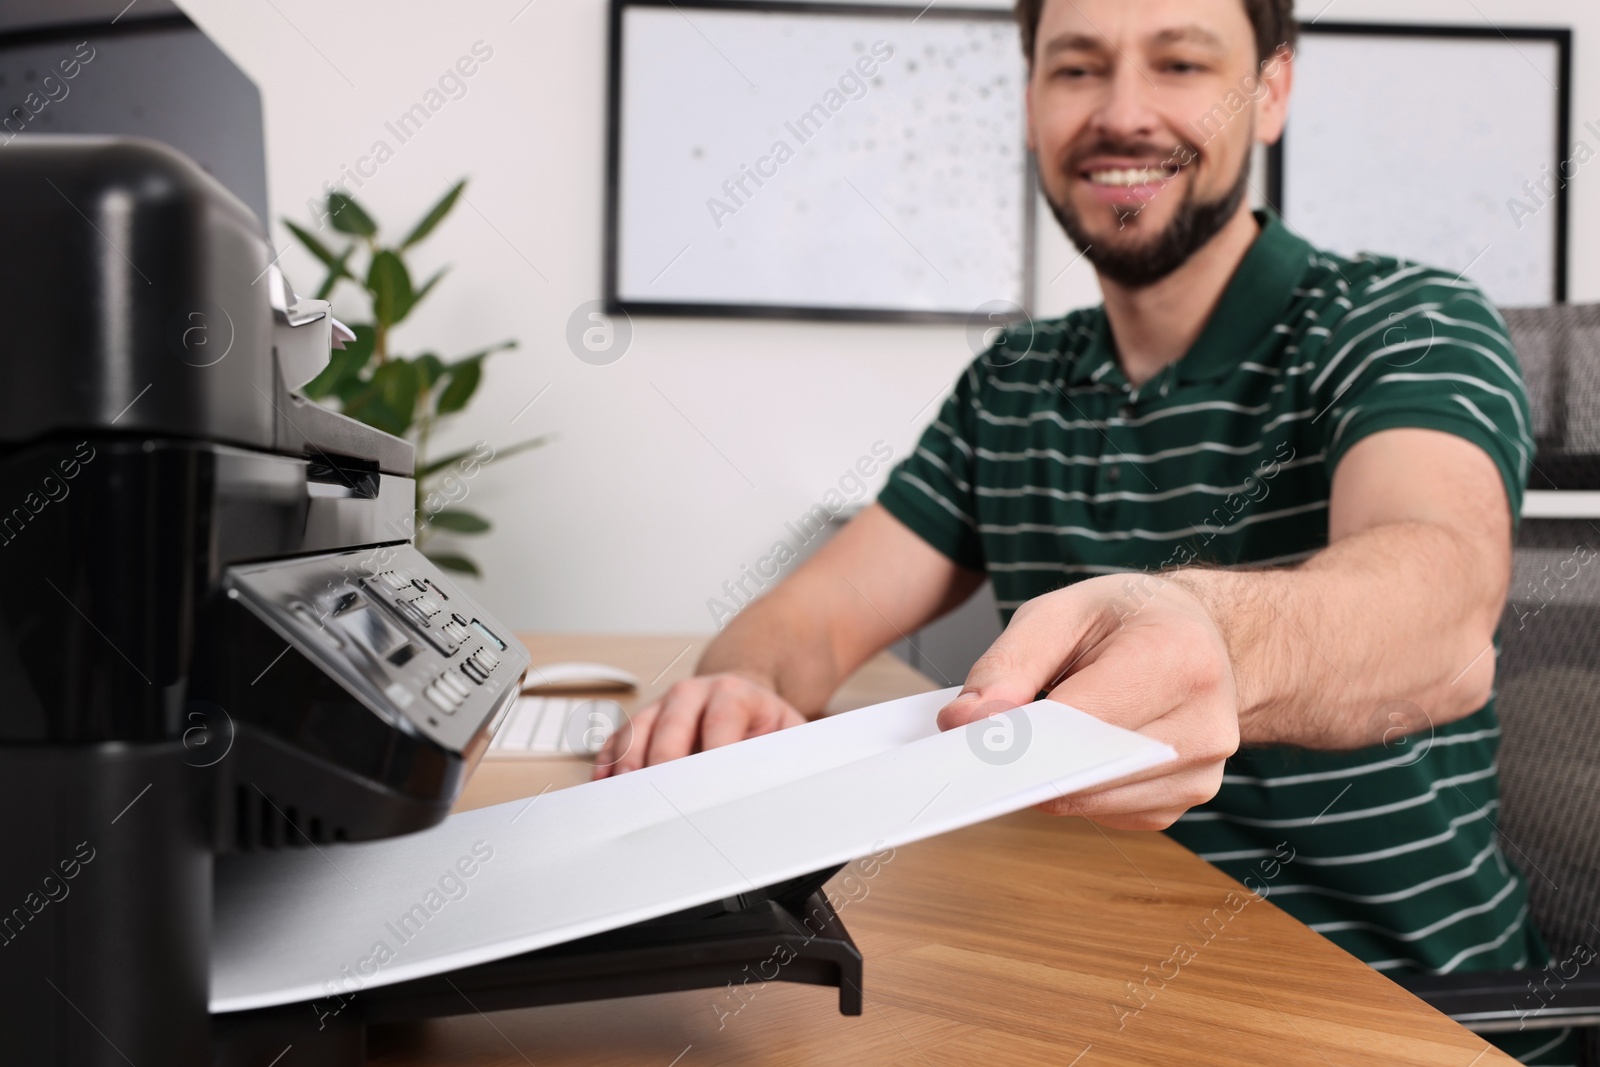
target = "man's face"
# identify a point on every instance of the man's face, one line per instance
(1143, 114)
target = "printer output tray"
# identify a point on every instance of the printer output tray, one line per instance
(726, 944)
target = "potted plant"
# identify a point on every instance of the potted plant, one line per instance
(408, 396)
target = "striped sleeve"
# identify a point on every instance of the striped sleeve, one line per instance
(1423, 350)
(931, 489)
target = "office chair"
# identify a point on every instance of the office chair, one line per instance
(1559, 348)
(1548, 680)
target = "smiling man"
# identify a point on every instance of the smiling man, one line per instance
(1258, 505)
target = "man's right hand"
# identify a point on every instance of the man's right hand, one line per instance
(694, 715)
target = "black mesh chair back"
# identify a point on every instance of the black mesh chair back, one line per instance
(1548, 674)
(1559, 348)
(1548, 678)
(1548, 681)
(1549, 669)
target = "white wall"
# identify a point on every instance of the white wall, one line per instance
(639, 512)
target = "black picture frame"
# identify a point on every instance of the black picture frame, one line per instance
(613, 302)
(1561, 37)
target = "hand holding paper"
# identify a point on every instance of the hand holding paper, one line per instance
(1145, 655)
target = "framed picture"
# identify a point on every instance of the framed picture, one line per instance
(816, 160)
(1446, 145)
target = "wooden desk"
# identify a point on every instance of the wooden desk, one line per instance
(1019, 941)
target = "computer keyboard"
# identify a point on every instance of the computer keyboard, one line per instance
(550, 727)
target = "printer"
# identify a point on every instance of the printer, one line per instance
(216, 637)
(215, 634)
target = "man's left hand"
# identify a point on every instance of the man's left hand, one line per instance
(1137, 651)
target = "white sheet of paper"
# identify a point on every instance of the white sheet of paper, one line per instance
(309, 923)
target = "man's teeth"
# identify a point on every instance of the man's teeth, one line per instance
(1141, 176)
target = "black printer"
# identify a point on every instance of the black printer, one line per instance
(215, 634)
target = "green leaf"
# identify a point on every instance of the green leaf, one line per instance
(427, 285)
(367, 406)
(431, 367)
(398, 379)
(435, 466)
(314, 246)
(344, 366)
(390, 285)
(457, 521)
(323, 384)
(389, 400)
(465, 375)
(524, 446)
(336, 271)
(450, 562)
(440, 464)
(366, 339)
(348, 217)
(435, 215)
(347, 390)
(500, 346)
(464, 379)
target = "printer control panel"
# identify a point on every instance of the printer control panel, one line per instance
(395, 632)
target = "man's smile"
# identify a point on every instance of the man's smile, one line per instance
(1121, 182)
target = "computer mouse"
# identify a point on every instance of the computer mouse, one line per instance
(549, 677)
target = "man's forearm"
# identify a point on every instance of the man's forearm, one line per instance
(873, 582)
(782, 649)
(1384, 632)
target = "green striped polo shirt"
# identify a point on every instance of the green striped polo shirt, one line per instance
(1045, 466)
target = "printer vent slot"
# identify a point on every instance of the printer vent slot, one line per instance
(341, 476)
(263, 823)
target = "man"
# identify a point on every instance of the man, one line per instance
(1310, 465)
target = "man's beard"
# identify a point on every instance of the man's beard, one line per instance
(1140, 266)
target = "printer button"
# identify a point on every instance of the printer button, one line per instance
(443, 702)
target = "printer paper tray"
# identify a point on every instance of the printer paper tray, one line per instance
(299, 925)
